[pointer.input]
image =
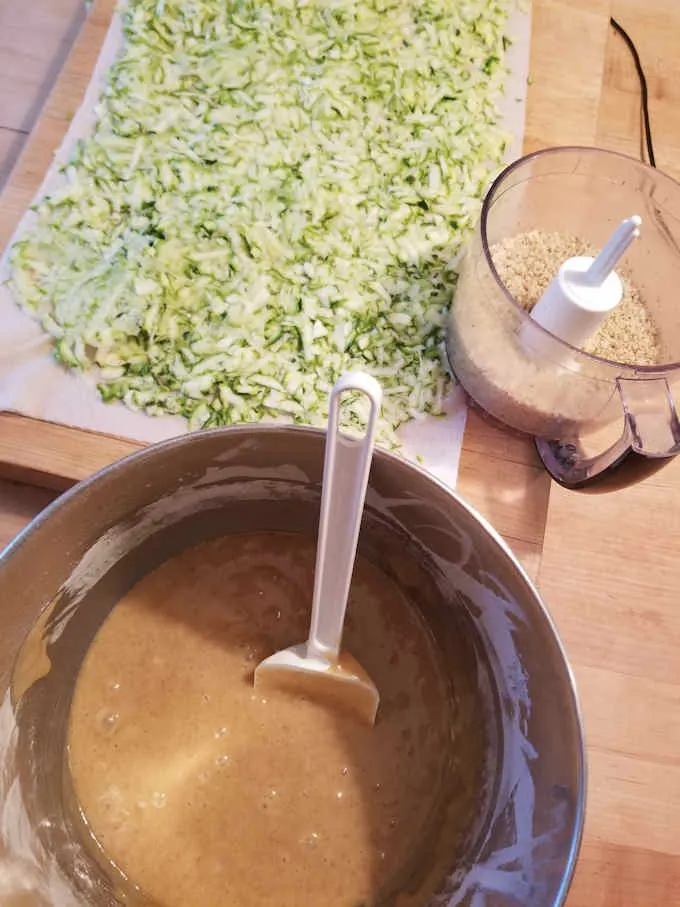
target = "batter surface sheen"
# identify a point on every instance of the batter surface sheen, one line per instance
(205, 793)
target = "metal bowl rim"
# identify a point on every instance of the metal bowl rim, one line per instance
(149, 453)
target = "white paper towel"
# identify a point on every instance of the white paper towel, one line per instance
(33, 384)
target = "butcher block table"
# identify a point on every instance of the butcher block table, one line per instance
(608, 564)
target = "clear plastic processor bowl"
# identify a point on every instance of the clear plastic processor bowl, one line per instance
(586, 413)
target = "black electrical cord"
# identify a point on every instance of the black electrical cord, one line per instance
(646, 125)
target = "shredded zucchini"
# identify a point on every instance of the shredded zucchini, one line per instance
(275, 191)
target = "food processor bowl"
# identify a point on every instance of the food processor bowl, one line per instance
(586, 413)
(62, 576)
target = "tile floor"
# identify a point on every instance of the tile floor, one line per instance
(35, 38)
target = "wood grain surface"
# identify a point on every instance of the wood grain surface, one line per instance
(608, 564)
(513, 494)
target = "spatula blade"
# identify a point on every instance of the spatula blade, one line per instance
(343, 685)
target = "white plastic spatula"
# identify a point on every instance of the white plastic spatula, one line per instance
(317, 669)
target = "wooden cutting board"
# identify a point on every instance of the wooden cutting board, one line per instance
(608, 564)
(56, 456)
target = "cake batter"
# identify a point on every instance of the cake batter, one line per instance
(205, 793)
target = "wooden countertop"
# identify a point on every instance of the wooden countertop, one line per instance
(608, 564)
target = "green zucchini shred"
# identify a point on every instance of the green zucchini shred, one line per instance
(275, 191)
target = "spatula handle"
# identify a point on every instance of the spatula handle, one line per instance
(345, 477)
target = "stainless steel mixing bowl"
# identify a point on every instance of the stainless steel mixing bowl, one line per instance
(60, 578)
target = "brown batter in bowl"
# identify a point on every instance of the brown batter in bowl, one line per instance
(169, 742)
(508, 823)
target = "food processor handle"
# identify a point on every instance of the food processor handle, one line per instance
(651, 429)
(345, 477)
